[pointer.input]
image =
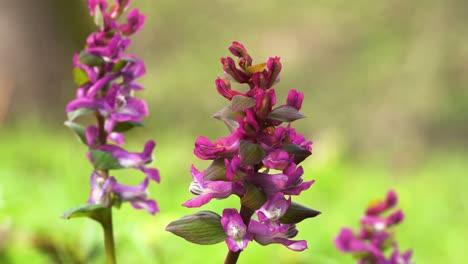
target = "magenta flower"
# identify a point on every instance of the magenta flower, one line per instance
(207, 190)
(274, 208)
(134, 160)
(278, 160)
(226, 146)
(100, 189)
(236, 231)
(289, 182)
(136, 195)
(134, 24)
(266, 233)
(375, 236)
(295, 99)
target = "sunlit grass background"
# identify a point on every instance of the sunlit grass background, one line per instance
(40, 182)
(386, 101)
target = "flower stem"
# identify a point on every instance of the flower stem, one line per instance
(246, 214)
(107, 215)
(108, 236)
(232, 257)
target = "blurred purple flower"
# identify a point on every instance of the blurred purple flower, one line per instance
(136, 195)
(135, 21)
(105, 77)
(375, 235)
(134, 159)
(100, 189)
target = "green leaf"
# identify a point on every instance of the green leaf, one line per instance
(299, 153)
(253, 198)
(121, 64)
(251, 153)
(79, 130)
(229, 117)
(239, 103)
(285, 113)
(98, 17)
(125, 126)
(93, 211)
(216, 171)
(80, 77)
(79, 112)
(90, 59)
(296, 213)
(104, 161)
(203, 228)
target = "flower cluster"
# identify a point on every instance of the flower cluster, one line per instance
(105, 77)
(258, 161)
(376, 235)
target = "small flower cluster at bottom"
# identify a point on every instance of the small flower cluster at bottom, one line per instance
(376, 235)
(264, 231)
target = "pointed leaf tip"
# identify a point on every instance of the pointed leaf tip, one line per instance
(90, 59)
(93, 211)
(79, 131)
(240, 103)
(104, 161)
(125, 126)
(80, 77)
(297, 212)
(285, 113)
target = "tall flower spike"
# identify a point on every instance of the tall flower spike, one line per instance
(105, 77)
(375, 236)
(258, 162)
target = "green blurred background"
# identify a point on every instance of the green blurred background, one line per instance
(386, 101)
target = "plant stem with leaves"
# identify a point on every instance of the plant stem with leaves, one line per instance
(105, 77)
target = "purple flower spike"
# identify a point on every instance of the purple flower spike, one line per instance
(235, 229)
(375, 236)
(206, 190)
(105, 76)
(136, 195)
(258, 161)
